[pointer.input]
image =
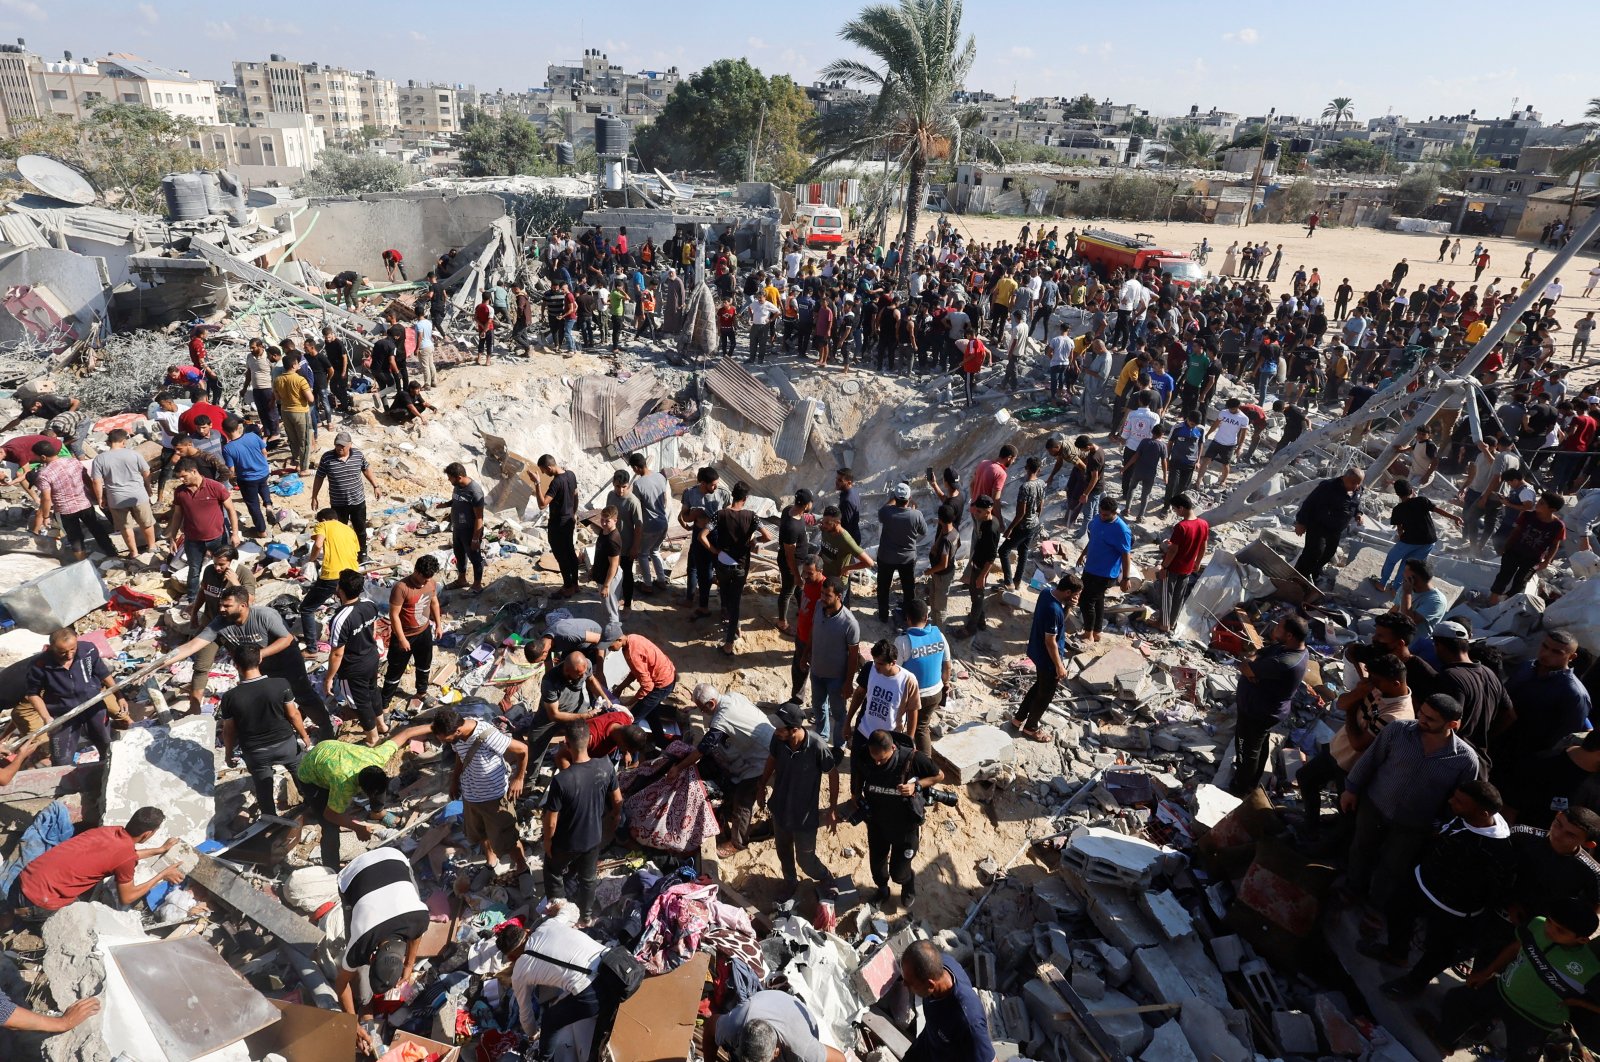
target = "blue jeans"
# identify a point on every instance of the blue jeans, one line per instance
(1399, 553)
(1263, 381)
(195, 554)
(828, 709)
(256, 499)
(568, 337)
(1081, 514)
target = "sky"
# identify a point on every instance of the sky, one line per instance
(1417, 60)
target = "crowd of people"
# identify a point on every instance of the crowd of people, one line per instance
(1461, 807)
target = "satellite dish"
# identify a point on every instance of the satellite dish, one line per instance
(56, 180)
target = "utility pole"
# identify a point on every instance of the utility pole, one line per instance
(755, 145)
(1261, 158)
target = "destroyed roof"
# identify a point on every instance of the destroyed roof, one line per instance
(100, 224)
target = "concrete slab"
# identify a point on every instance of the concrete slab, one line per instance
(1168, 1044)
(1115, 1013)
(1160, 977)
(1167, 913)
(172, 768)
(968, 747)
(1118, 969)
(1117, 916)
(1188, 954)
(1101, 675)
(1212, 804)
(1209, 1036)
(1099, 854)
(1228, 952)
(1295, 1032)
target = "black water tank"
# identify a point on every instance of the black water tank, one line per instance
(1272, 150)
(565, 156)
(1300, 145)
(610, 135)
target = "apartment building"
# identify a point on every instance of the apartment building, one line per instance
(32, 87)
(428, 109)
(278, 149)
(340, 102)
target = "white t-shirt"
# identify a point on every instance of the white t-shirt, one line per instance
(1132, 295)
(1060, 351)
(761, 311)
(1231, 426)
(424, 329)
(791, 264)
(885, 695)
(1138, 426)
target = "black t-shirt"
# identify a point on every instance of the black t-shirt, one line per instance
(1542, 785)
(579, 797)
(354, 626)
(1414, 518)
(256, 707)
(1545, 878)
(1294, 422)
(563, 498)
(879, 782)
(985, 541)
(338, 360)
(50, 406)
(732, 533)
(944, 546)
(1360, 395)
(793, 531)
(606, 546)
(383, 354)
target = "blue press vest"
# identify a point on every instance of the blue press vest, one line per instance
(926, 659)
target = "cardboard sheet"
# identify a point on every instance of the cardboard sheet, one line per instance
(657, 1024)
(305, 1034)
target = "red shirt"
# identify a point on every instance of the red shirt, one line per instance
(19, 451)
(394, 255)
(197, 349)
(647, 664)
(727, 317)
(70, 869)
(1580, 433)
(202, 510)
(810, 594)
(1189, 539)
(1254, 414)
(484, 315)
(202, 409)
(989, 478)
(972, 359)
(571, 311)
(600, 728)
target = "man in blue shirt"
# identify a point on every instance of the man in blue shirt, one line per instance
(954, 1028)
(1550, 702)
(1106, 559)
(1047, 648)
(246, 453)
(1163, 383)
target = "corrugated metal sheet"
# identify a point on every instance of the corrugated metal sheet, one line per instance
(21, 232)
(746, 395)
(796, 433)
(603, 409)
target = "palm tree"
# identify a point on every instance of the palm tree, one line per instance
(1339, 110)
(1583, 158)
(1188, 145)
(922, 62)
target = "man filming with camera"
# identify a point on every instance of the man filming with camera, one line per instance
(891, 788)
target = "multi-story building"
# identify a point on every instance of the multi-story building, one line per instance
(32, 87)
(278, 149)
(340, 102)
(595, 85)
(428, 109)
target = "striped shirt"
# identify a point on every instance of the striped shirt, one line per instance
(483, 777)
(1405, 781)
(344, 477)
(381, 903)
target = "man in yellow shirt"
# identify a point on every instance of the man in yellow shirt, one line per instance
(1475, 331)
(293, 392)
(1124, 387)
(335, 547)
(1000, 300)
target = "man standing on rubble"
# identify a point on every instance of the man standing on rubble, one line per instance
(1182, 555)
(353, 653)
(490, 766)
(261, 721)
(797, 759)
(69, 672)
(890, 794)
(333, 550)
(415, 622)
(293, 394)
(1047, 649)
(344, 467)
(579, 817)
(1322, 519)
(239, 623)
(901, 527)
(925, 652)
(122, 480)
(64, 488)
(1267, 684)
(202, 511)
(245, 453)
(559, 499)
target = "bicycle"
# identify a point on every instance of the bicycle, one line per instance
(1200, 252)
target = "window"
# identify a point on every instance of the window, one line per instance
(188, 97)
(58, 94)
(130, 97)
(1513, 186)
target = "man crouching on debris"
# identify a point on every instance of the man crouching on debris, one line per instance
(66, 873)
(375, 929)
(954, 1027)
(330, 775)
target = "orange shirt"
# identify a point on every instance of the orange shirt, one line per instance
(647, 664)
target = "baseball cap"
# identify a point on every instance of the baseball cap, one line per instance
(789, 715)
(983, 501)
(388, 964)
(902, 492)
(803, 497)
(1450, 629)
(342, 439)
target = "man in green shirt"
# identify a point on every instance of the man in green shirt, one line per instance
(1541, 979)
(330, 776)
(841, 553)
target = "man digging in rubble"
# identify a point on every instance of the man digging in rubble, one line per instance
(374, 930)
(333, 772)
(488, 774)
(737, 738)
(66, 873)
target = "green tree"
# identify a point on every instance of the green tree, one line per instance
(1357, 156)
(1339, 110)
(1188, 145)
(1253, 135)
(1580, 160)
(123, 148)
(1417, 191)
(921, 62)
(1458, 161)
(352, 173)
(1084, 106)
(1138, 125)
(713, 118)
(503, 146)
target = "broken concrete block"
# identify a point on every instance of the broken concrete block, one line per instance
(884, 1031)
(1168, 1044)
(1116, 1015)
(1047, 1008)
(1101, 675)
(1131, 738)
(1188, 954)
(1295, 1032)
(1212, 805)
(1167, 913)
(966, 748)
(1086, 984)
(1156, 973)
(1209, 1035)
(1117, 967)
(1340, 1034)
(1053, 901)
(173, 768)
(1228, 952)
(1098, 854)
(1262, 985)
(1117, 916)
(1014, 1016)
